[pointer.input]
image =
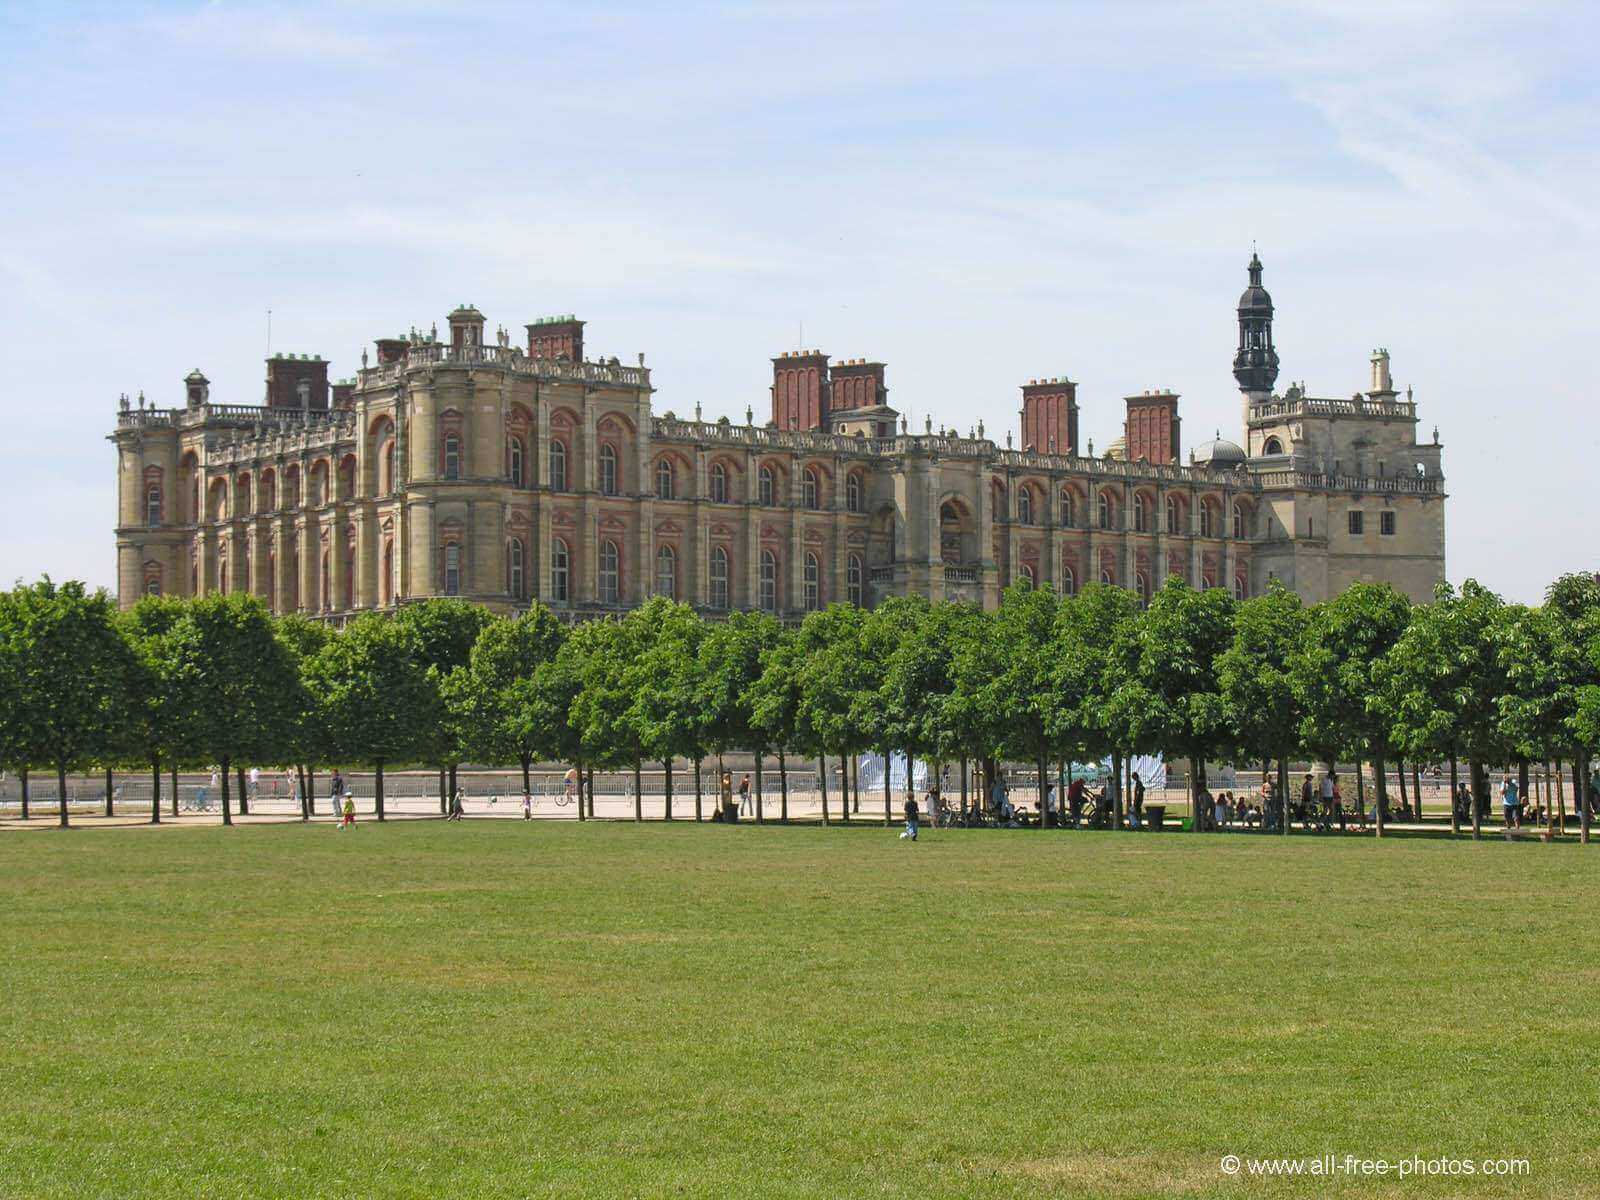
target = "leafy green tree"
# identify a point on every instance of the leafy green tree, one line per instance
(818, 687)
(1018, 692)
(1253, 674)
(731, 656)
(72, 669)
(244, 683)
(1572, 604)
(379, 696)
(605, 710)
(1439, 679)
(504, 667)
(582, 728)
(308, 744)
(160, 700)
(447, 628)
(664, 681)
(1093, 648)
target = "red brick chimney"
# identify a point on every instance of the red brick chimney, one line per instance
(856, 383)
(1151, 430)
(556, 337)
(1050, 415)
(392, 350)
(800, 390)
(285, 375)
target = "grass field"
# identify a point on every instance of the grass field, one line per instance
(494, 1009)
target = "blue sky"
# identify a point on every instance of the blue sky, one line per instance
(976, 194)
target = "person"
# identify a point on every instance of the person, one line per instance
(1075, 803)
(1136, 813)
(569, 783)
(456, 805)
(349, 811)
(1221, 814)
(255, 782)
(746, 805)
(911, 818)
(1048, 817)
(1205, 809)
(1307, 793)
(336, 788)
(997, 796)
(1463, 801)
(213, 791)
(725, 794)
(527, 806)
(1508, 802)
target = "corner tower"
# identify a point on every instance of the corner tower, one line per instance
(1255, 363)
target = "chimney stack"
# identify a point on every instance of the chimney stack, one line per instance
(556, 337)
(1050, 415)
(800, 390)
(285, 375)
(857, 383)
(1151, 431)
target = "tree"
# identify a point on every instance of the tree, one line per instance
(242, 681)
(818, 687)
(160, 699)
(919, 685)
(1572, 609)
(731, 657)
(1018, 694)
(1093, 650)
(1257, 687)
(447, 628)
(504, 666)
(72, 669)
(664, 682)
(307, 744)
(1439, 679)
(379, 696)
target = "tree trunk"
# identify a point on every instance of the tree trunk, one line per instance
(638, 789)
(1197, 782)
(155, 789)
(1283, 793)
(888, 800)
(244, 800)
(855, 783)
(227, 808)
(444, 794)
(22, 774)
(591, 793)
(666, 764)
(759, 756)
(453, 788)
(527, 772)
(1480, 781)
(1040, 767)
(110, 812)
(1580, 791)
(783, 790)
(305, 792)
(377, 787)
(1522, 785)
(1400, 774)
(1380, 795)
(822, 782)
(1455, 809)
(844, 788)
(1416, 790)
(61, 796)
(311, 789)
(964, 787)
(697, 788)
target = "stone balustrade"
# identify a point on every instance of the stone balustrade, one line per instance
(506, 358)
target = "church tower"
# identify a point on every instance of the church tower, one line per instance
(1255, 365)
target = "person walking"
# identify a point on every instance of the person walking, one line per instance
(349, 812)
(1136, 813)
(336, 789)
(1509, 807)
(911, 818)
(527, 806)
(746, 805)
(255, 784)
(455, 806)
(724, 796)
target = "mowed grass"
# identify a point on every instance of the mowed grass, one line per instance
(501, 1009)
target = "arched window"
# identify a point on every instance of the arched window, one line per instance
(1105, 511)
(719, 578)
(719, 483)
(560, 573)
(452, 569)
(1069, 584)
(152, 579)
(852, 579)
(388, 480)
(1066, 509)
(769, 581)
(852, 493)
(558, 466)
(241, 496)
(1141, 584)
(767, 487)
(1238, 521)
(194, 497)
(610, 572)
(666, 482)
(291, 487)
(1172, 514)
(514, 460)
(152, 506)
(452, 456)
(1207, 583)
(1141, 513)
(271, 590)
(1024, 506)
(349, 573)
(1272, 446)
(388, 571)
(1025, 575)
(1241, 589)
(1105, 577)
(222, 568)
(327, 582)
(514, 572)
(269, 491)
(667, 573)
(813, 583)
(608, 470)
(1205, 519)
(808, 488)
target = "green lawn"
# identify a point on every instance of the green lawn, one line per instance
(497, 1009)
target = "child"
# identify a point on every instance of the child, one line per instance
(349, 811)
(911, 818)
(527, 806)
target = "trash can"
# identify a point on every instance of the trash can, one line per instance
(1154, 815)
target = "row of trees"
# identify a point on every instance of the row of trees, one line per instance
(1367, 676)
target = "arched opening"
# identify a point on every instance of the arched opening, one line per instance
(452, 569)
(514, 452)
(1024, 506)
(1069, 582)
(813, 583)
(853, 498)
(667, 573)
(719, 578)
(719, 483)
(514, 570)
(853, 580)
(1240, 521)
(809, 487)
(767, 486)
(1105, 510)
(560, 573)
(608, 469)
(1272, 446)
(610, 572)
(1172, 514)
(958, 540)
(558, 466)
(1065, 508)
(769, 581)
(1141, 513)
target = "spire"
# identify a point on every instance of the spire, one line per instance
(1255, 362)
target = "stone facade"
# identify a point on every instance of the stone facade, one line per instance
(510, 474)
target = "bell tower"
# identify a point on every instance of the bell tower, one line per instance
(1255, 363)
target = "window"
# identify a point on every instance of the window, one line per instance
(1272, 446)
(388, 466)
(1358, 522)
(808, 488)
(1024, 506)
(558, 466)
(1069, 583)
(1241, 589)
(514, 460)
(349, 572)
(452, 569)
(1386, 522)
(719, 483)
(719, 578)
(852, 493)
(1141, 514)
(767, 486)
(269, 491)
(1066, 509)
(514, 572)
(813, 583)
(769, 581)
(1238, 522)
(152, 506)
(1205, 520)
(560, 564)
(327, 582)
(1141, 584)
(852, 579)
(610, 573)
(1105, 511)
(667, 573)
(241, 496)
(152, 580)
(222, 569)
(1105, 577)
(666, 482)
(1172, 514)
(452, 456)
(608, 470)
(388, 571)
(1025, 575)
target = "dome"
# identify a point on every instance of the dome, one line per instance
(1219, 452)
(1118, 450)
(1255, 298)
